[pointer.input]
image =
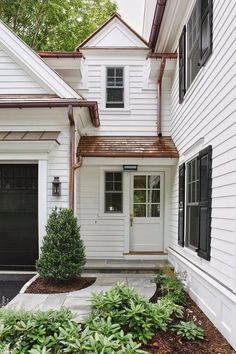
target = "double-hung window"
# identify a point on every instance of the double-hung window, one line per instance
(115, 87)
(113, 192)
(195, 44)
(195, 189)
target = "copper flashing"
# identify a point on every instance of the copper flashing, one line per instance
(52, 103)
(162, 55)
(156, 24)
(60, 54)
(115, 15)
(29, 136)
(126, 146)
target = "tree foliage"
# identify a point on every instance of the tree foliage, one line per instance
(55, 24)
(62, 253)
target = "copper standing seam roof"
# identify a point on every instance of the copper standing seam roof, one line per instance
(29, 136)
(126, 146)
(60, 54)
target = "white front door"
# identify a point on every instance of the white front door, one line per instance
(146, 215)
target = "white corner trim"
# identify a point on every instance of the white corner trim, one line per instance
(23, 54)
(25, 287)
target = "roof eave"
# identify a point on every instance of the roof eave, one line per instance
(156, 24)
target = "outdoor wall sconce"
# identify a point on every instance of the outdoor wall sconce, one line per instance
(130, 167)
(56, 187)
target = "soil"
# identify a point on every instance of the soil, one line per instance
(171, 343)
(51, 286)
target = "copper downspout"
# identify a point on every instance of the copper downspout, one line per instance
(72, 158)
(159, 93)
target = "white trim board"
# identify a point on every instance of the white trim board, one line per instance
(33, 64)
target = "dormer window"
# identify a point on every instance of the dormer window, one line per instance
(115, 87)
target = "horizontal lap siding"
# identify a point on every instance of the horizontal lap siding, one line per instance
(141, 118)
(103, 236)
(208, 112)
(14, 79)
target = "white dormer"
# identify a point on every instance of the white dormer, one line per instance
(115, 34)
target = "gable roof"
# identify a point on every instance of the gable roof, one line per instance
(136, 42)
(31, 63)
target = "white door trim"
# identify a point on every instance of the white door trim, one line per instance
(41, 160)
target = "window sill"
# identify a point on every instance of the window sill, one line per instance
(117, 111)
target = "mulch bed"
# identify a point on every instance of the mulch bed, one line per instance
(46, 286)
(170, 343)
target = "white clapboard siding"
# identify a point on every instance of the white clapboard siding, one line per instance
(208, 112)
(14, 79)
(103, 235)
(140, 116)
(45, 119)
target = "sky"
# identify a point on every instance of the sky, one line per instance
(132, 12)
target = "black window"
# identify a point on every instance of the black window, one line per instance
(198, 203)
(181, 204)
(115, 88)
(182, 66)
(197, 44)
(192, 217)
(193, 44)
(113, 192)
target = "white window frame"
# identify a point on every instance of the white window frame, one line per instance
(126, 84)
(102, 192)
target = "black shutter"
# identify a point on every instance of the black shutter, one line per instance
(182, 61)
(181, 205)
(206, 29)
(205, 187)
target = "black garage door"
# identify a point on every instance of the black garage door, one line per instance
(18, 216)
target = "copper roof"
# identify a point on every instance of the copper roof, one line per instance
(29, 136)
(60, 54)
(126, 146)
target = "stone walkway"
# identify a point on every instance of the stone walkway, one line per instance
(79, 301)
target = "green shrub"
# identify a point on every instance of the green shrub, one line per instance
(131, 311)
(56, 332)
(189, 330)
(63, 253)
(171, 285)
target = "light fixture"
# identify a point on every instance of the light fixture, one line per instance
(130, 167)
(56, 187)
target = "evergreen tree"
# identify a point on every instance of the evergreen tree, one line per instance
(62, 253)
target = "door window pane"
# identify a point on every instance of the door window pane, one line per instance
(139, 210)
(146, 196)
(153, 181)
(139, 196)
(139, 181)
(154, 196)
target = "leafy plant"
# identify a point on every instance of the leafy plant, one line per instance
(57, 332)
(171, 285)
(63, 252)
(131, 311)
(189, 330)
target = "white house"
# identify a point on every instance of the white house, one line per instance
(139, 138)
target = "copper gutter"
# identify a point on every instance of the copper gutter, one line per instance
(156, 24)
(60, 55)
(162, 55)
(72, 158)
(91, 105)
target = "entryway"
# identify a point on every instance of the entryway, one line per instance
(147, 209)
(18, 216)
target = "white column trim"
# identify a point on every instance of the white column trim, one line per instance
(42, 200)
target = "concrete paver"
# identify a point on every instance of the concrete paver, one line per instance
(79, 301)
